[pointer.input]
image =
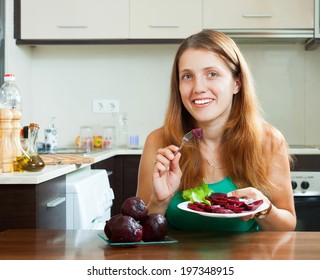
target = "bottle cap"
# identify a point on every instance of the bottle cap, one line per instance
(25, 131)
(9, 77)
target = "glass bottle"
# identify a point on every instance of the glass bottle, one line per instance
(30, 159)
(122, 135)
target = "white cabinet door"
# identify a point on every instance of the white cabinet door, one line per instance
(165, 18)
(74, 19)
(258, 14)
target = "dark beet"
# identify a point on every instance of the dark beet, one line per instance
(197, 133)
(109, 225)
(155, 227)
(134, 207)
(221, 203)
(123, 229)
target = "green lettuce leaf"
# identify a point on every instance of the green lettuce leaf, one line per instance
(198, 193)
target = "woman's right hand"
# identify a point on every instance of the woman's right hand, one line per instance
(166, 173)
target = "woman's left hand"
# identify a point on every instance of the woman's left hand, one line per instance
(249, 193)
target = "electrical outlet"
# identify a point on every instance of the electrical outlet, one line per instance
(105, 106)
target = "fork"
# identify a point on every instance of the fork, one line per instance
(185, 139)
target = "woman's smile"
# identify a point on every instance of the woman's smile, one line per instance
(204, 101)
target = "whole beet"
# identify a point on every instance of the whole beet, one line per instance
(134, 207)
(155, 227)
(109, 225)
(124, 229)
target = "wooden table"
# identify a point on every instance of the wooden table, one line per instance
(87, 245)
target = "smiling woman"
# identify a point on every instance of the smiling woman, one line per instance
(240, 154)
(206, 85)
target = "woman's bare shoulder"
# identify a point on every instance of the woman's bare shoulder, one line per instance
(275, 138)
(156, 134)
(155, 138)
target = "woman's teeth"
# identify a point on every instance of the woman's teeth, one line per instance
(202, 101)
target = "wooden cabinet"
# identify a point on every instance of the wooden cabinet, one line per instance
(123, 179)
(258, 14)
(72, 19)
(165, 18)
(40, 206)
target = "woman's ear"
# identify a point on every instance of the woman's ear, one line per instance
(237, 86)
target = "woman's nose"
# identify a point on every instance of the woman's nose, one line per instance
(200, 85)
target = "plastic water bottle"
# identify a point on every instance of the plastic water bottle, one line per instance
(10, 95)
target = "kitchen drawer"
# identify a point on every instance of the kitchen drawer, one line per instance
(33, 206)
(164, 18)
(73, 19)
(258, 14)
(52, 204)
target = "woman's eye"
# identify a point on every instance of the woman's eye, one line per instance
(186, 77)
(212, 75)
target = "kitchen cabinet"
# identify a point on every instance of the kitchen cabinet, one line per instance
(123, 178)
(44, 22)
(258, 14)
(72, 19)
(33, 206)
(165, 18)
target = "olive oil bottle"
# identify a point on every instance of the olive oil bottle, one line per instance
(30, 159)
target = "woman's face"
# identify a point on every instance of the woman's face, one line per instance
(206, 85)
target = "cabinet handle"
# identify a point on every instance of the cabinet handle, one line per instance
(72, 26)
(55, 202)
(257, 15)
(164, 26)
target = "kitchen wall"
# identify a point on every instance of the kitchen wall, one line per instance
(62, 81)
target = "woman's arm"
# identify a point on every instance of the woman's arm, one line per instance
(146, 166)
(159, 173)
(282, 216)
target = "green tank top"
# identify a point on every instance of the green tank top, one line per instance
(183, 220)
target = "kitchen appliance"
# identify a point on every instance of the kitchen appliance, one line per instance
(89, 198)
(305, 180)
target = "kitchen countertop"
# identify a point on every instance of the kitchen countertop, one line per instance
(304, 150)
(30, 244)
(52, 171)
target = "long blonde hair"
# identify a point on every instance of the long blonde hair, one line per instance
(245, 150)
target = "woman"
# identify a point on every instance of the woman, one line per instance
(240, 153)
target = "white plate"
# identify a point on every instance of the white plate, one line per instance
(184, 206)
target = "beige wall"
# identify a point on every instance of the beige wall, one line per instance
(62, 81)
